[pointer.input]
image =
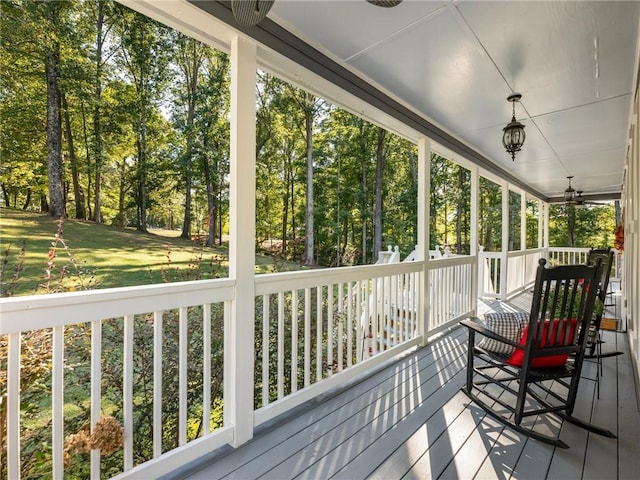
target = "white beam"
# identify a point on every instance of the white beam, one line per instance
(239, 329)
(540, 213)
(546, 224)
(505, 240)
(523, 220)
(473, 248)
(422, 253)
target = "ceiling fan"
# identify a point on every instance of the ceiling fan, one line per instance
(251, 12)
(581, 202)
(575, 197)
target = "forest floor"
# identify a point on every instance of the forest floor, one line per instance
(90, 256)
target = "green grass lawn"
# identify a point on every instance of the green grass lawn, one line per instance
(103, 256)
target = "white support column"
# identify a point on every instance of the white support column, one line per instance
(631, 257)
(540, 204)
(96, 390)
(523, 238)
(473, 248)
(13, 405)
(422, 250)
(505, 241)
(546, 225)
(523, 221)
(57, 401)
(239, 332)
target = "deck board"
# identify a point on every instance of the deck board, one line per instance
(601, 458)
(411, 421)
(628, 418)
(411, 447)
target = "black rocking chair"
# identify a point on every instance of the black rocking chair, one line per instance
(542, 374)
(593, 340)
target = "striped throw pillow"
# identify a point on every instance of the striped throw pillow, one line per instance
(506, 324)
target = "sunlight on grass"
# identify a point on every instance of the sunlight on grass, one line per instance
(107, 256)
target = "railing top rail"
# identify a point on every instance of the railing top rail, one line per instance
(491, 254)
(450, 261)
(21, 314)
(283, 281)
(569, 249)
(522, 253)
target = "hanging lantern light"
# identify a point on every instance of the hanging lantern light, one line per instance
(513, 134)
(570, 193)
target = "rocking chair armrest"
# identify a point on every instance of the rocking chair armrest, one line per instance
(475, 325)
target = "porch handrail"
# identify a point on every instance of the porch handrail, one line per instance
(568, 255)
(344, 291)
(520, 272)
(450, 292)
(21, 314)
(489, 269)
(127, 306)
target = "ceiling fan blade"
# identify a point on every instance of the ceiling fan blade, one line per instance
(385, 3)
(250, 12)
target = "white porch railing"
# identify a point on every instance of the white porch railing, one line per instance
(314, 330)
(331, 322)
(489, 274)
(309, 338)
(450, 292)
(521, 267)
(567, 255)
(500, 281)
(132, 337)
(521, 270)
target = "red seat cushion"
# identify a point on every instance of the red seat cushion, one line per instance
(517, 357)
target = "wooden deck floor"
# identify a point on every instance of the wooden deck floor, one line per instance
(411, 421)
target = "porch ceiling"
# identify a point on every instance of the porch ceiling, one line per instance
(455, 62)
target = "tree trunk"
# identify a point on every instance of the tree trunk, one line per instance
(211, 208)
(186, 223)
(220, 216)
(97, 126)
(363, 187)
(122, 191)
(5, 194)
(308, 242)
(377, 205)
(571, 225)
(44, 205)
(293, 208)
(288, 174)
(142, 174)
(28, 200)
(190, 68)
(88, 160)
(73, 161)
(54, 131)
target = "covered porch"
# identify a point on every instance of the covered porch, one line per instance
(409, 419)
(292, 341)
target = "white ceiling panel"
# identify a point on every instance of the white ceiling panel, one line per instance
(591, 167)
(455, 62)
(559, 54)
(600, 126)
(489, 141)
(345, 28)
(535, 172)
(441, 79)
